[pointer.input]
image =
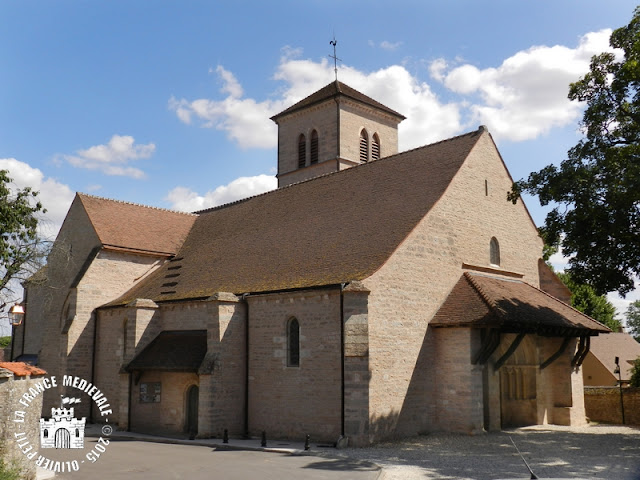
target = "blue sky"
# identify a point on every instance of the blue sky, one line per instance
(166, 103)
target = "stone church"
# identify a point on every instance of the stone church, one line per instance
(373, 295)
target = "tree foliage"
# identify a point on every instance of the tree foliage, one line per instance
(596, 190)
(633, 319)
(21, 249)
(634, 381)
(585, 299)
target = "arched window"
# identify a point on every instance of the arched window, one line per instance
(302, 151)
(364, 146)
(293, 343)
(494, 251)
(314, 147)
(45, 434)
(77, 433)
(375, 147)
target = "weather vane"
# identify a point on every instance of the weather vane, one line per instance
(335, 58)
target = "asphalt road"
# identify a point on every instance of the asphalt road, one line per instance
(131, 459)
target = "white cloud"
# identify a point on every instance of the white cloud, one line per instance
(520, 99)
(390, 46)
(185, 199)
(246, 121)
(113, 158)
(56, 197)
(526, 95)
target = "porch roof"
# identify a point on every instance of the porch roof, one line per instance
(512, 306)
(172, 351)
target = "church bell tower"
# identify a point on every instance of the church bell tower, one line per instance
(335, 128)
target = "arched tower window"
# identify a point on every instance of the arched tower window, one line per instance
(494, 251)
(293, 343)
(302, 151)
(375, 147)
(314, 147)
(364, 146)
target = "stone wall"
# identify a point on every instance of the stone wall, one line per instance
(11, 390)
(168, 415)
(603, 405)
(292, 401)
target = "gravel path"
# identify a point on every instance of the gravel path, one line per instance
(593, 451)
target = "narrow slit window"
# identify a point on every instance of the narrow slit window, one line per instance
(314, 147)
(364, 146)
(302, 151)
(375, 147)
(293, 343)
(494, 252)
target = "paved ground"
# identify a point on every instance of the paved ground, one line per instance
(602, 452)
(137, 460)
(593, 452)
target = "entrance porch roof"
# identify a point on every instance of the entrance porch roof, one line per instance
(512, 306)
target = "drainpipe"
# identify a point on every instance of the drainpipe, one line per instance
(246, 363)
(342, 418)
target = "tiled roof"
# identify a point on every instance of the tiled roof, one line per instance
(323, 231)
(174, 351)
(513, 306)
(333, 90)
(22, 369)
(136, 227)
(607, 347)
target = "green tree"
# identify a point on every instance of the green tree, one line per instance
(596, 190)
(22, 251)
(634, 381)
(585, 299)
(633, 319)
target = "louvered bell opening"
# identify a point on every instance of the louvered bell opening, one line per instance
(364, 147)
(375, 150)
(302, 152)
(314, 148)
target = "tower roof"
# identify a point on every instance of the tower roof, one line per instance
(333, 90)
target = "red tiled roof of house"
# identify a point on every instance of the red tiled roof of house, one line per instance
(479, 300)
(22, 369)
(331, 229)
(607, 347)
(137, 227)
(335, 89)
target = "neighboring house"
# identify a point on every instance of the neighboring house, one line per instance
(598, 369)
(375, 294)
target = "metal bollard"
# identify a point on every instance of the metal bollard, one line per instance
(306, 443)
(263, 443)
(225, 436)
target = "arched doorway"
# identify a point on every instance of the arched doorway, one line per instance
(62, 438)
(191, 421)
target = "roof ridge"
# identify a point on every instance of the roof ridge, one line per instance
(332, 90)
(124, 202)
(481, 129)
(490, 303)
